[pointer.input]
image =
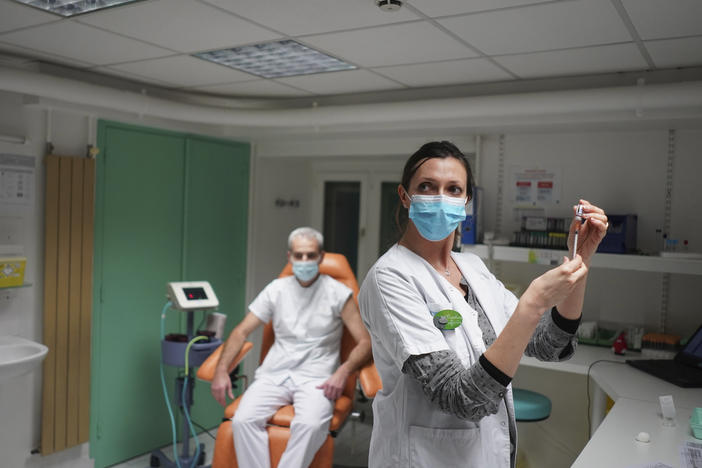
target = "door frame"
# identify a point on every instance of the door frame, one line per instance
(370, 179)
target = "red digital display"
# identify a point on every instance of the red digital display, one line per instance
(195, 294)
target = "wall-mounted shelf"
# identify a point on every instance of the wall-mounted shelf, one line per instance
(651, 263)
(25, 285)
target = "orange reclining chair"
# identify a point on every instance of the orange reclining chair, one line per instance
(336, 266)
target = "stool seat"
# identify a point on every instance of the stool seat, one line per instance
(530, 406)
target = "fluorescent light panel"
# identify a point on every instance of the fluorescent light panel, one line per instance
(73, 7)
(276, 59)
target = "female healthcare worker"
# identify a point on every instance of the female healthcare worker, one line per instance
(447, 336)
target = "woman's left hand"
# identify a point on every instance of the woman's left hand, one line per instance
(591, 231)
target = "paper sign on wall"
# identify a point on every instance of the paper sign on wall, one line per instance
(535, 186)
(16, 179)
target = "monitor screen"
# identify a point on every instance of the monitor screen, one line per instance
(692, 352)
(194, 294)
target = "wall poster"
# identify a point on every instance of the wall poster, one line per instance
(535, 186)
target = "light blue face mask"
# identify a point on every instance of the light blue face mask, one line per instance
(436, 216)
(305, 271)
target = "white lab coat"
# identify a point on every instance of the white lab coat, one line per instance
(397, 299)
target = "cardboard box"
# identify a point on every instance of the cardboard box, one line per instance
(12, 271)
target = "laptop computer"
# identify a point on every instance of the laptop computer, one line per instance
(684, 370)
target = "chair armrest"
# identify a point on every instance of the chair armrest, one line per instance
(207, 368)
(369, 380)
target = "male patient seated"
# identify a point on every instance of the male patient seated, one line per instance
(302, 367)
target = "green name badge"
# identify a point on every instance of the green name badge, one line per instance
(447, 319)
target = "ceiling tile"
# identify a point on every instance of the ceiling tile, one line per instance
(190, 26)
(657, 19)
(610, 58)
(184, 70)
(535, 28)
(444, 73)
(391, 45)
(352, 81)
(676, 52)
(84, 43)
(15, 16)
(314, 16)
(436, 8)
(261, 88)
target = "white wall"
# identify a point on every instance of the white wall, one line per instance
(288, 169)
(20, 398)
(624, 172)
(685, 311)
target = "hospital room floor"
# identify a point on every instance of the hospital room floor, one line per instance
(350, 446)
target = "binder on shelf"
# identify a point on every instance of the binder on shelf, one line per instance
(471, 230)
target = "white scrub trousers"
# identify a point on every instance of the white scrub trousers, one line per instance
(308, 429)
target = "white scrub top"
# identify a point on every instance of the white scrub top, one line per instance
(397, 300)
(307, 325)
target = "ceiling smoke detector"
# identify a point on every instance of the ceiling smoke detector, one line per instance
(389, 5)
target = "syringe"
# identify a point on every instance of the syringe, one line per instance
(579, 222)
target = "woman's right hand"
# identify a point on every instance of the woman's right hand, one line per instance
(556, 284)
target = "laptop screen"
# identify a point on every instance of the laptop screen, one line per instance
(691, 354)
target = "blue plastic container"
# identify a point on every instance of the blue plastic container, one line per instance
(173, 352)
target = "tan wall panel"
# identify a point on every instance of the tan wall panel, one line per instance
(86, 300)
(74, 302)
(70, 188)
(64, 248)
(50, 265)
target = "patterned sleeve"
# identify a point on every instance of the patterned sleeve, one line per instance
(554, 338)
(468, 393)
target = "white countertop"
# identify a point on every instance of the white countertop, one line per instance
(636, 409)
(584, 356)
(614, 443)
(619, 380)
(623, 381)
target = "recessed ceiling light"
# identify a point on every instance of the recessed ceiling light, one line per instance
(276, 59)
(73, 7)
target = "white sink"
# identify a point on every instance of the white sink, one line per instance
(19, 356)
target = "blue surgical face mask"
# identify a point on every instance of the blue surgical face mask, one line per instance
(305, 270)
(436, 216)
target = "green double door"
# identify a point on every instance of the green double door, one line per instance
(169, 207)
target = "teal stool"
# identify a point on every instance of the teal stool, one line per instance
(530, 406)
